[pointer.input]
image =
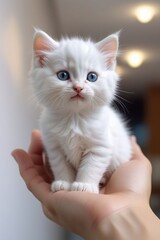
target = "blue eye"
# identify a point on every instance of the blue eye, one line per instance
(92, 77)
(63, 75)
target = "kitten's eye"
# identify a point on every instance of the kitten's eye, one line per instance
(92, 77)
(63, 75)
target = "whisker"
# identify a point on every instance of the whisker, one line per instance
(120, 103)
(122, 98)
(120, 90)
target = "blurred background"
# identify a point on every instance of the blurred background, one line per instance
(138, 98)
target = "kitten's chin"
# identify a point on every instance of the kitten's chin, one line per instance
(78, 103)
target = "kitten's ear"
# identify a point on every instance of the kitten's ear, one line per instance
(109, 47)
(42, 45)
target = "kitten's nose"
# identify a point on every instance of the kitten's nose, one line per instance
(78, 89)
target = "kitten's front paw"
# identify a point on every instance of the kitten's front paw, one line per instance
(60, 186)
(84, 187)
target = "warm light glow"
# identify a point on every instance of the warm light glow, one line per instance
(135, 58)
(145, 13)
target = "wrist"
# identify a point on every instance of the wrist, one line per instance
(135, 222)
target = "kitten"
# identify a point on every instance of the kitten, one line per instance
(75, 82)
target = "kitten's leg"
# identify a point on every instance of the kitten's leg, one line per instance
(91, 170)
(63, 172)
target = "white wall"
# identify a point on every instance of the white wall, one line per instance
(21, 217)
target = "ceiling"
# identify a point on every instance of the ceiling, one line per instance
(99, 18)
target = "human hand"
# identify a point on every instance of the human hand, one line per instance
(83, 212)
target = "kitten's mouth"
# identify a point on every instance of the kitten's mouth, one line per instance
(78, 97)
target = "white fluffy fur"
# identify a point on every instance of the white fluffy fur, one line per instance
(84, 139)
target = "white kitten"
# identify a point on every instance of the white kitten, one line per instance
(75, 81)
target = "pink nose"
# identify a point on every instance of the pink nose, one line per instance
(78, 89)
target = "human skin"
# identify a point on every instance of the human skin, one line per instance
(120, 211)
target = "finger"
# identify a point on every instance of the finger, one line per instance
(138, 154)
(35, 183)
(36, 146)
(135, 148)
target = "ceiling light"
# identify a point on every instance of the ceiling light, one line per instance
(145, 13)
(135, 58)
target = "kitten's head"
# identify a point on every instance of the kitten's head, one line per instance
(73, 73)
